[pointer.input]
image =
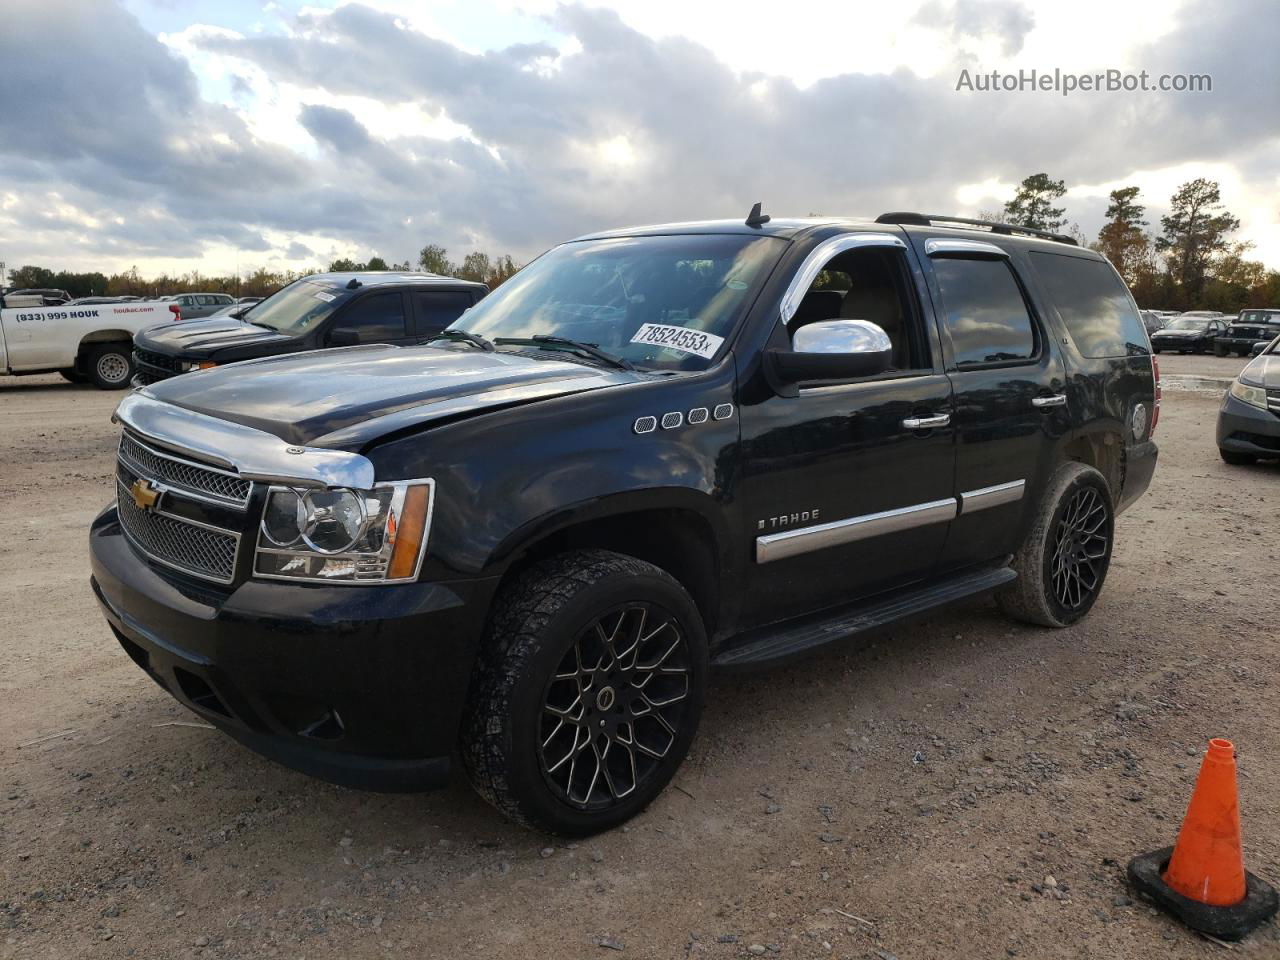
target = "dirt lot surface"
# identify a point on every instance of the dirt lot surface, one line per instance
(906, 798)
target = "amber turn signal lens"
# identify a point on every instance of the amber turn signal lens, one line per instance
(410, 530)
(206, 365)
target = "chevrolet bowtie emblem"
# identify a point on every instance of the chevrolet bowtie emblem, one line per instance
(144, 495)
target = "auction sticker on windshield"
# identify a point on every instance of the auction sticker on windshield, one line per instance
(679, 338)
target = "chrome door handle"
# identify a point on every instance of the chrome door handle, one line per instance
(927, 423)
(1057, 400)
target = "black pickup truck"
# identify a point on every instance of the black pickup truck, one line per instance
(317, 311)
(651, 453)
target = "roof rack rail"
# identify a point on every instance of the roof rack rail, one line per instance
(1007, 229)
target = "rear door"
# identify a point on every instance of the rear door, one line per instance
(436, 309)
(1009, 385)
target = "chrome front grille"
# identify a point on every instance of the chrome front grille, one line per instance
(1273, 401)
(197, 479)
(193, 548)
(196, 523)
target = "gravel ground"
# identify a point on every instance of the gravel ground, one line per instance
(962, 787)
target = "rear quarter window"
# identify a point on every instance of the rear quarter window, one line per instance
(1094, 304)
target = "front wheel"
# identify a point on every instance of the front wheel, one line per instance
(587, 693)
(1219, 350)
(111, 366)
(1063, 562)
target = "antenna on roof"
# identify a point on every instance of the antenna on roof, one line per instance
(757, 219)
(353, 283)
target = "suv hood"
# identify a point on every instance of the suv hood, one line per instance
(349, 396)
(199, 339)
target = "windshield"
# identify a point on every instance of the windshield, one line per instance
(297, 308)
(663, 303)
(1259, 316)
(1186, 323)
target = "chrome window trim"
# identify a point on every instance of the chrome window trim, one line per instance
(258, 455)
(940, 247)
(818, 258)
(996, 495)
(189, 571)
(790, 543)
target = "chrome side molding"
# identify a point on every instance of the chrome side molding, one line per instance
(253, 454)
(790, 543)
(994, 496)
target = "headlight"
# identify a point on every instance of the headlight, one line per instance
(1254, 396)
(343, 535)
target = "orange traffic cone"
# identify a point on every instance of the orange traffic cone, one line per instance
(1202, 880)
(1207, 863)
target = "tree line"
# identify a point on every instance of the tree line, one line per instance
(1190, 263)
(477, 265)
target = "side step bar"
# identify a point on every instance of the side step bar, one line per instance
(780, 642)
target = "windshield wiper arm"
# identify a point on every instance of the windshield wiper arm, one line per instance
(462, 336)
(589, 349)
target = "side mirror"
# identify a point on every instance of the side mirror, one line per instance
(343, 338)
(832, 350)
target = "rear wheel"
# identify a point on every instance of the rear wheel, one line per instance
(587, 694)
(111, 366)
(1063, 562)
(1237, 459)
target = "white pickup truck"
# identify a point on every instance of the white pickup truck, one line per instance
(89, 343)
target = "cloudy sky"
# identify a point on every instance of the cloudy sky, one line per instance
(221, 135)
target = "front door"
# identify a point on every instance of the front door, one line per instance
(847, 488)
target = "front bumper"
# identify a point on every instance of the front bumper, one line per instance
(1244, 428)
(1179, 343)
(1238, 344)
(359, 685)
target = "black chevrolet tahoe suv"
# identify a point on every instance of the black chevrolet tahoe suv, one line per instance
(651, 453)
(318, 311)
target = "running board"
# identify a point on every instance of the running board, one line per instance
(781, 642)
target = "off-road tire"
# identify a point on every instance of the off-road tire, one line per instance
(1031, 597)
(534, 621)
(72, 375)
(1237, 459)
(110, 366)
(1219, 350)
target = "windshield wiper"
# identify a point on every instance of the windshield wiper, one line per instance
(588, 349)
(462, 336)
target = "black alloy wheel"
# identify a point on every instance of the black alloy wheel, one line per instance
(1081, 548)
(614, 708)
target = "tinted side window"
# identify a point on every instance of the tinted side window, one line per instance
(374, 318)
(439, 308)
(1093, 303)
(985, 312)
